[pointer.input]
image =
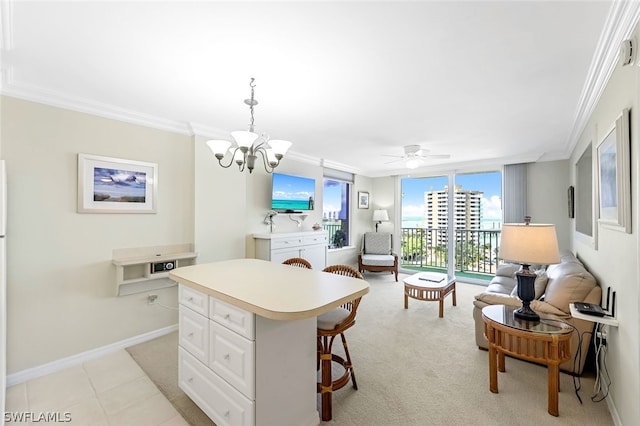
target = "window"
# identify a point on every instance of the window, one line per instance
(459, 235)
(335, 211)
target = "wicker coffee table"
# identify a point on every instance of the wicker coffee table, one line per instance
(430, 287)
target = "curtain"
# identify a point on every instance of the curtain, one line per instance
(514, 197)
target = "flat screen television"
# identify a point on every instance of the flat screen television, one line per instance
(292, 193)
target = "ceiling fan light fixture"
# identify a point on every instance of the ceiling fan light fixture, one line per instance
(413, 163)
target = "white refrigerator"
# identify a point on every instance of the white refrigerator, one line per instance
(3, 288)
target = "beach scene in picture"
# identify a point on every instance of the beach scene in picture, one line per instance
(120, 186)
(292, 192)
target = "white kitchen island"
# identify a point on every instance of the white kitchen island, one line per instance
(248, 338)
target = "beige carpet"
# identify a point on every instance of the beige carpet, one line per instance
(414, 368)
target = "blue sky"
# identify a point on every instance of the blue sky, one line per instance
(490, 183)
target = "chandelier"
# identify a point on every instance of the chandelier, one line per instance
(248, 144)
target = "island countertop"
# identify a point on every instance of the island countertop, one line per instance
(271, 290)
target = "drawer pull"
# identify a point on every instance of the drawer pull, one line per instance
(190, 299)
(227, 413)
(227, 317)
(190, 380)
(191, 334)
(226, 357)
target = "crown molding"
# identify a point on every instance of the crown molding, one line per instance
(208, 132)
(620, 24)
(9, 87)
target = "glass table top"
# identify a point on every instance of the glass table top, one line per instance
(504, 315)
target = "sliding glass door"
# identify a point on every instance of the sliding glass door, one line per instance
(451, 223)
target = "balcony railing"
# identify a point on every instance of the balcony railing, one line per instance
(476, 249)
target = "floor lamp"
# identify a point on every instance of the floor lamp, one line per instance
(528, 244)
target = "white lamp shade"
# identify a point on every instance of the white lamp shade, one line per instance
(279, 146)
(529, 244)
(218, 146)
(243, 138)
(380, 215)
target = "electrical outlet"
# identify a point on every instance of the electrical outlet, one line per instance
(151, 299)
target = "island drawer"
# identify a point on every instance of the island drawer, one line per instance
(193, 333)
(219, 400)
(232, 317)
(194, 299)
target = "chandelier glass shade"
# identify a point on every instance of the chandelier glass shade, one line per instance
(247, 145)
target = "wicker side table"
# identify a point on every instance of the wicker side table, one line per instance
(545, 342)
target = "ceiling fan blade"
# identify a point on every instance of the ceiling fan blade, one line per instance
(394, 161)
(391, 155)
(437, 156)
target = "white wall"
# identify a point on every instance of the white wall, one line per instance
(60, 278)
(220, 206)
(615, 261)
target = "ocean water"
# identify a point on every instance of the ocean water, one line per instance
(291, 205)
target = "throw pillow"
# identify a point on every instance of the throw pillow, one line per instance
(540, 284)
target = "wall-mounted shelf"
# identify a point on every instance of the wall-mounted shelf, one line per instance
(593, 318)
(141, 269)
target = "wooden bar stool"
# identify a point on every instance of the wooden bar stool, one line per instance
(330, 325)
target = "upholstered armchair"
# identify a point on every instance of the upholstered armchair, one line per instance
(376, 253)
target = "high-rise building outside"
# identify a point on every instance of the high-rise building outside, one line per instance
(467, 213)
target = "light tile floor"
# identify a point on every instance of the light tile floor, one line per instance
(109, 391)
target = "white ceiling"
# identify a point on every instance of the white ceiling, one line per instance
(486, 82)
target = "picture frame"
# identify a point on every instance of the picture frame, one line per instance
(363, 200)
(116, 185)
(570, 200)
(613, 175)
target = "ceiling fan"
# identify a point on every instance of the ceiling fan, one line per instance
(414, 156)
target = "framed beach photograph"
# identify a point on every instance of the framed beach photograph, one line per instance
(613, 174)
(363, 200)
(115, 185)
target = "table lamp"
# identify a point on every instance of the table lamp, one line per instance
(379, 216)
(527, 244)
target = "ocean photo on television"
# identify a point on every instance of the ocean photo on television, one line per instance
(292, 192)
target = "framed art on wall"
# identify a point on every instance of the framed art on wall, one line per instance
(115, 185)
(363, 200)
(613, 174)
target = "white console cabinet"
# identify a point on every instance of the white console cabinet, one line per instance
(311, 246)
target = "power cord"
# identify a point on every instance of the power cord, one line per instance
(600, 347)
(576, 359)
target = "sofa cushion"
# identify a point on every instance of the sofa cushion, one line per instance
(502, 285)
(540, 284)
(507, 269)
(498, 299)
(568, 282)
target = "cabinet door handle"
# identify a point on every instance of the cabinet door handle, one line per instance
(190, 334)
(227, 317)
(226, 357)
(227, 413)
(190, 380)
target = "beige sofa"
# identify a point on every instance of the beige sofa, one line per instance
(556, 287)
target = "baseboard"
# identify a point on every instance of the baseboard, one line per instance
(51, 367)
(612, 410)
